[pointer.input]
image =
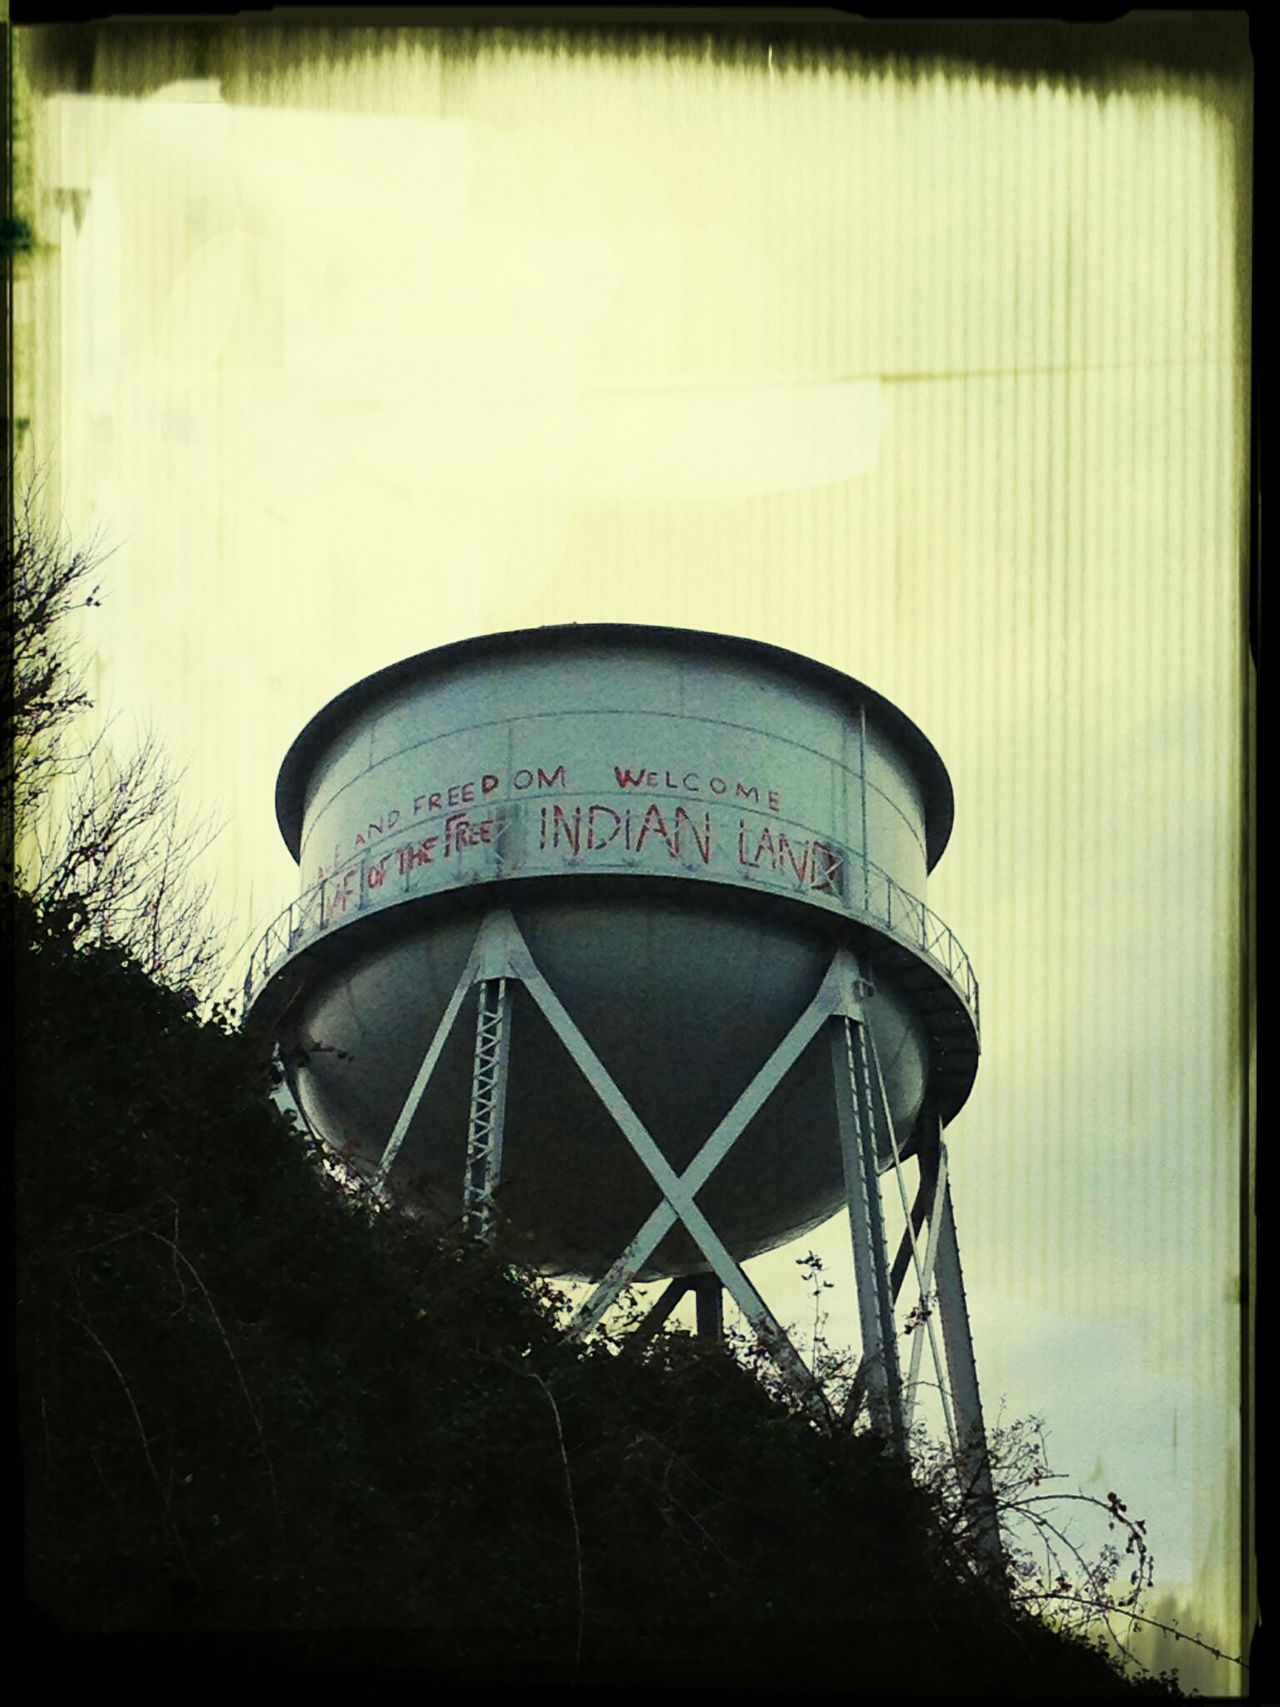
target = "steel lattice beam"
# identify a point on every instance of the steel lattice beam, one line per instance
(488, 1106)
(855, 1119)
(828, 1000)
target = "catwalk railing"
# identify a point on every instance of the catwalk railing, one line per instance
(838, 879)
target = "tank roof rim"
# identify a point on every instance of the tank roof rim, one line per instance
(932, 774)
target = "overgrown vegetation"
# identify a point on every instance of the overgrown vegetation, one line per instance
(250, 1402)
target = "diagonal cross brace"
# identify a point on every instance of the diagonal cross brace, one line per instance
(830, 999)
(678, 1195)
(935, 1186)
(907, 1244)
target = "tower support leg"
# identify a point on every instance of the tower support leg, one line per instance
(488, 1106)
(487, 964)
(285, 1092)
(708, 1297)
(974, 1459)
(855, 1116)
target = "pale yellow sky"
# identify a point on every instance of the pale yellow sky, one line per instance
(938, 380)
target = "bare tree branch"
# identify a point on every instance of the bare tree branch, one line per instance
(104, 837)
(44, 691)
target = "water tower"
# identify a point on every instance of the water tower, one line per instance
(622, 930)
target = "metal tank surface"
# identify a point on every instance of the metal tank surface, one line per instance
(685, 828)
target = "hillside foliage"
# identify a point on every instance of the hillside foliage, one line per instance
(252, 1404)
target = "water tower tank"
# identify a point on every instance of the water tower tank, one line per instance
(685, 826)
